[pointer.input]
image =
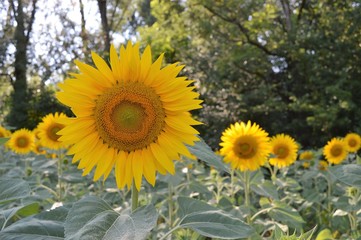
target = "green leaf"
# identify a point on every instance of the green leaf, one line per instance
(48, 225)
(325, 234)
(210, 221)
(93, 218)
(283, 213)
(3, 141)
(13, 189)
(349, 174)
(22, 211)
(202, 151)
(267, 189)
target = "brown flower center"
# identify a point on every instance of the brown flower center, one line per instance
(129, 116)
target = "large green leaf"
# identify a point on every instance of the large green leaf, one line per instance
(267, 189)
(48, 225)
(93, 218)
(202, 151)
(12, 189)
(281, 212)
(22, 211)
(349, 174)
(210, 221)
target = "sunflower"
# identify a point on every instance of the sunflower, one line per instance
(133, 115)
(307, 155)
(47, 131)
(38, 148)
(322, 165)
(353, 141)
(245, 146)
(4, 132)
(306, 164)
(21, 141)
(335, 150)
(284, 148)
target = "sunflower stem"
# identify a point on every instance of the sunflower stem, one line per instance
(232, 185)
(170, 204)
(60, 173)
(135, 194)
(246, 194)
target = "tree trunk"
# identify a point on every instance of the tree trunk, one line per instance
(20, 97)
(103, 15)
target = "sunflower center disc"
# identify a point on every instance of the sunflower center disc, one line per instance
(129, 116)
(244, 149)
(281, 152)
(352, 143)
(53, 130)
(22, 142)
(336, 151)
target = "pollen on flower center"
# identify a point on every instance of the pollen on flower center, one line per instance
(244, 148)
(336, 150)
(281, 152)
(129, 116)
(22, 142)
(53, 130)
(352, 142)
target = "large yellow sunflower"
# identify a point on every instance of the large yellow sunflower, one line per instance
(353, 141)
(307, 155)
(284, 150)
(245, 146)
(47, 131)
(4, 132)
(133, 115)
(21, 141)
(335, 150)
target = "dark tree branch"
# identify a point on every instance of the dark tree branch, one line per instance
(31, 21)
(243, 29)
(303, 4)
(102, 4)
(14, 10)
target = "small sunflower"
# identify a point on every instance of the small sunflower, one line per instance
(38, 148)
(21, 141)
(131, 115)
(284, 148)
(322, 165)
(307, 155)
(4, 132)
(353, 141)
(306, 164)
(47, 131)
(245, 146)
(335, 150)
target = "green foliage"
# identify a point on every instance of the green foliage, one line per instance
(283, 65)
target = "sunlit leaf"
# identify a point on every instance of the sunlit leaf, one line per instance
(93, 218)
(210, 221)
(349, 174)
(203, 152)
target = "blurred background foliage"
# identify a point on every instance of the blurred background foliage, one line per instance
(290, 66)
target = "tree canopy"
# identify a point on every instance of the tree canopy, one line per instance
(290, 66)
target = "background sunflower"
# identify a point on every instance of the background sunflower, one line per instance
(284, 149)
(245, 146)
(335, 150)
(22, 141)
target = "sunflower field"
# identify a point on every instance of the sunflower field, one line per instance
(182, 119)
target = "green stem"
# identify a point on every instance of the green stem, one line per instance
(169, 232)
(329, 192)
(134, 197)
(246, 194)
(232, 185)
(170, 204)
(60, 175)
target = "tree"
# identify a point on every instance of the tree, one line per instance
(20, 96)
(287, 65)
